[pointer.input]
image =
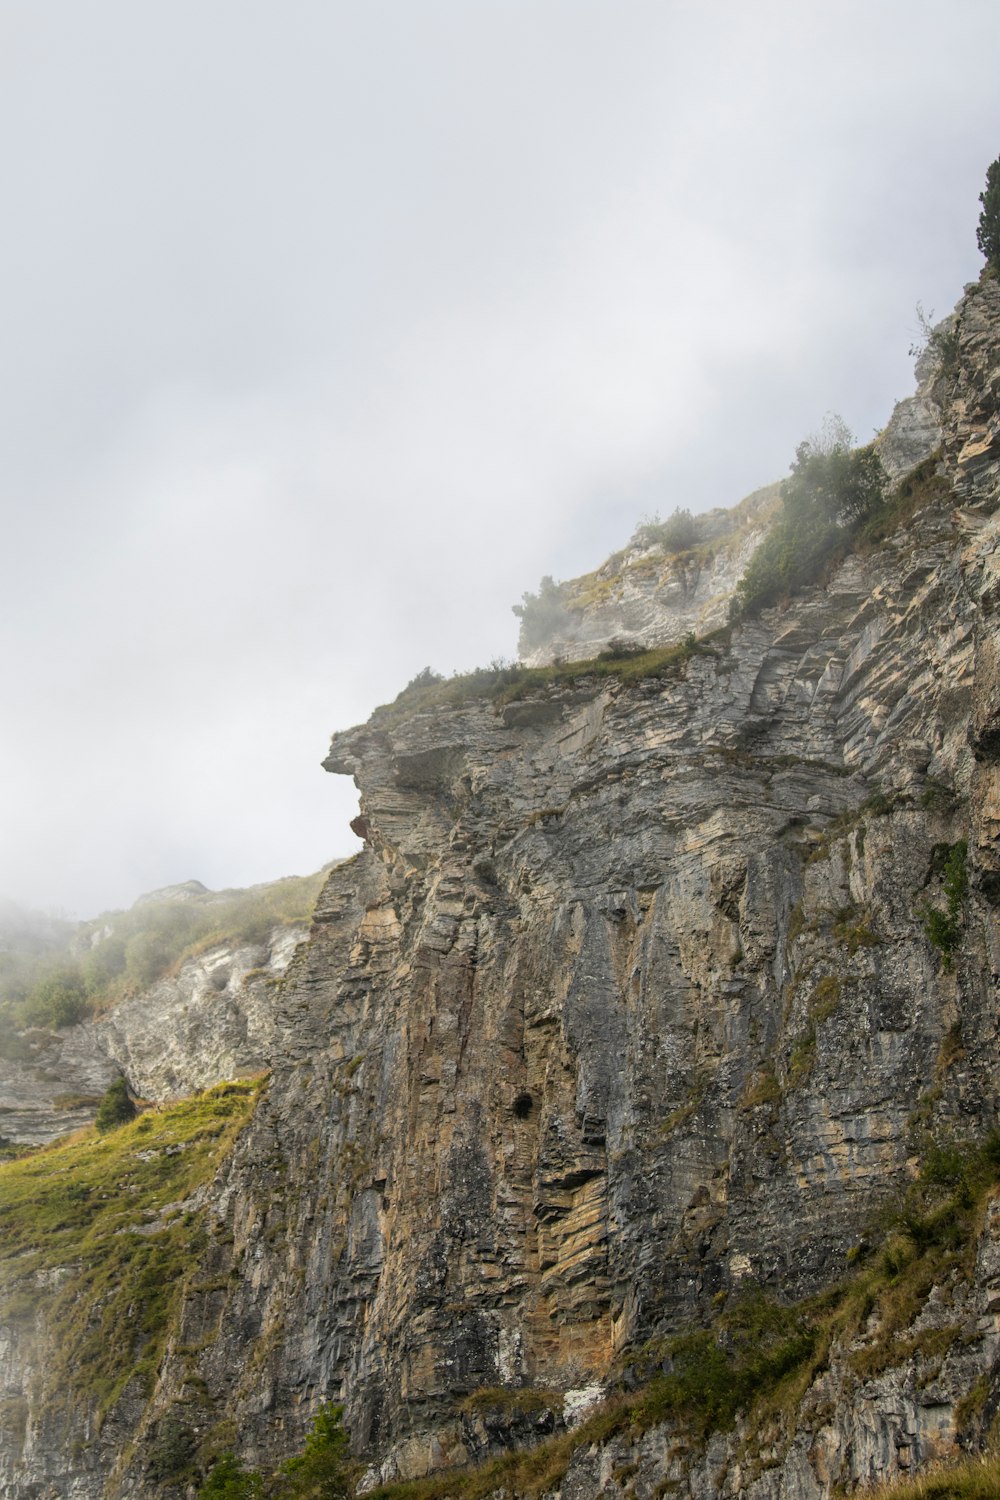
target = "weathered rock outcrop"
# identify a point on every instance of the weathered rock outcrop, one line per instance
(914, 430)
(629, 1000)
(646, 597)
(210, 1021)
(649, 595)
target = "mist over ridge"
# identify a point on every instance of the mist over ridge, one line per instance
(310, 379)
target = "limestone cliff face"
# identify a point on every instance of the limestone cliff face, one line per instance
(629, 998)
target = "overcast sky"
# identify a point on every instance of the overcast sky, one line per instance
(326, 329)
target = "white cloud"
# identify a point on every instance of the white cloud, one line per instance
(330, 328)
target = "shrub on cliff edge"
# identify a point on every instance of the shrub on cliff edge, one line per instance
(988, 232)
(541, 615)
(832, 489)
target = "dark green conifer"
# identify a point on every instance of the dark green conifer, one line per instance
(322, 1471)
(116, 1108)
(988, 233)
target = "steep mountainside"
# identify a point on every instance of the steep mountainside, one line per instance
(178, 987)
(649, 990)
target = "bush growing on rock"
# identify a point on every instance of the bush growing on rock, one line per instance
(171, 1455)
(679, 532)
(426, 677)
(837, 485)
(322, 1471)
(229, 1480)
(542, 615)
(832, 489)
(944, 928)
(59, 1000)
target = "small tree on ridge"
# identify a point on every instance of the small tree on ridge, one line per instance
(988, 233)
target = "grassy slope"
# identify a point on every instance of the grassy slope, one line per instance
(506, 683)
(976, 1479)
(96, 1236)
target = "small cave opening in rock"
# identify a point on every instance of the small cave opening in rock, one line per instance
(523, 1105)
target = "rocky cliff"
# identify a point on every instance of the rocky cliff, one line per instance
(650, 989)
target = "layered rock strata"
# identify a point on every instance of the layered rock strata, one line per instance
(628, 1002)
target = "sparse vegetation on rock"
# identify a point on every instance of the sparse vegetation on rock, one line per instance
(86, 967)
(616, 1068)
(832, 490)
(944, 928)
(759, 1357)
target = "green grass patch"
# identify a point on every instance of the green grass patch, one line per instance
(508, 682)
(971, 1479)
(802, 1056)
(513, 1401)
(855, 935)
(762, 1088)
(85, 1241)
(825, 998)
